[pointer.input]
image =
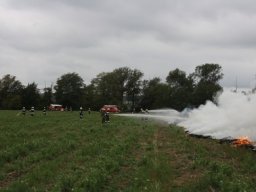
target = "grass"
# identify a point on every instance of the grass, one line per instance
(60, 152)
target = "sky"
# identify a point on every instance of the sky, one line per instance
(40, 40)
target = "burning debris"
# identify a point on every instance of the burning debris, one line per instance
(244, 142)
(239, 142)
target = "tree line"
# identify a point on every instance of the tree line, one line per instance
(122, 86)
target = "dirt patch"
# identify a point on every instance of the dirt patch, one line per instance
(10, 177)
(186, 177)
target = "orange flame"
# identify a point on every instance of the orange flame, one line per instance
(242, 141)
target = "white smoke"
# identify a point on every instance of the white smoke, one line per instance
(234, 116)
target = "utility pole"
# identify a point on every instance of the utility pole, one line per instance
(236, 85)
(254, 88)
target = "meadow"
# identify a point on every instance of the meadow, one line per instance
(60, 152)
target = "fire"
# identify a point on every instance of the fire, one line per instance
(242, 141)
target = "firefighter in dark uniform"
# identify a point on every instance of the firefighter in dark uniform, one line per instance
(32, 111)
(107, 117)
(23, 111)
(44, 111)
(102, 113)
(81, 113)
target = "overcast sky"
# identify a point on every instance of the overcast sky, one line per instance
(42, 39)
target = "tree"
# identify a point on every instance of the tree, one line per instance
(121, 78)
(69, 90)
(31, 96)
(177, 78)
(206, 78)
(10, 91)
(47, 97)
(89, 100)
(133, 86)
(154, 94)
(111, 87)
(102, 92)
(209, 72)
(181, 88)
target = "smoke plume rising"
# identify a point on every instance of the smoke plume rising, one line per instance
(234, 116)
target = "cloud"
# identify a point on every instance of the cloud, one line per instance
(44, 39)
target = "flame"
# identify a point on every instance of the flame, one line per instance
(242, 141)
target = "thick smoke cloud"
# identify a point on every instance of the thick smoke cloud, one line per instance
(234, 116)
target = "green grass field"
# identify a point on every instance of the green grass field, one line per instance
(60, 152)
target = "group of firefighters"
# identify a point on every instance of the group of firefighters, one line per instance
(81, 112)
(31, 111)
(104, 114)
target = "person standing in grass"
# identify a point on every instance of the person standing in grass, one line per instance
(107, 117)
(44, 111)
(103, 116)
(81, 113)
(89, 111)
(23, 111)
(32, 111)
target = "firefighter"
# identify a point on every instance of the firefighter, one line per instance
(103, 116)
(32, 111)
(81, 113)
(23, 111)
(107, 117)
(44, 111)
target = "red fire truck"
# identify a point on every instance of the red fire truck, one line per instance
(110, 108)
(56, 107)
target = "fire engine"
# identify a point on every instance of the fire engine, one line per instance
(110, 108)
(56, 107)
